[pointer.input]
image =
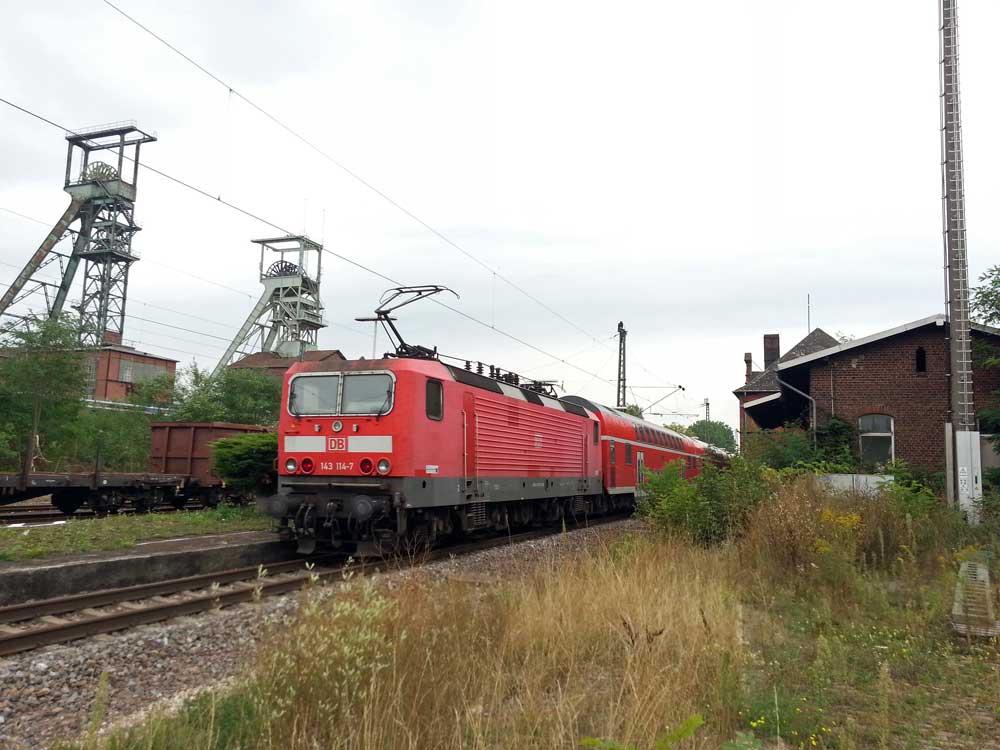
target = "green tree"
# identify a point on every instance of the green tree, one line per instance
(234, 395)
(118, 438)
(715, 433)
(633, 409)
(42, 382)
(986, 308)
(680, 428)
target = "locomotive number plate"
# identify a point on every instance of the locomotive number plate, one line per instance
(336, 465)
(338, 444)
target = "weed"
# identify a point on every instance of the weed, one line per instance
(121, 532)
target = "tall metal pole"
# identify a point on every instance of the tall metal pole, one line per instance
(964, 438)
(708, 417)
(622, 333)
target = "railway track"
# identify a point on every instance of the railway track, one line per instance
(32, 625)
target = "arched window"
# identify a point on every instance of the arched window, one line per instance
(877, 438)
(921, 359)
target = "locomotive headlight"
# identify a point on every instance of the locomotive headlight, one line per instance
(338, 425)
(366, 466)
(383, 466)
(308, 465)
(291, 465)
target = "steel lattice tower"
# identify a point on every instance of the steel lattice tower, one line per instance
(289, 314)
(966, 457)
(622, 333)
(103, 202)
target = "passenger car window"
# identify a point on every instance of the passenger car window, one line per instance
(611, 453)
(628, 454)
(313, 394)
(435, 400)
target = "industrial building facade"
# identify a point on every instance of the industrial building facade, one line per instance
(892, 387)
(113, 371)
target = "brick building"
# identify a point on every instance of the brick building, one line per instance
(892, 387)
(113, 371)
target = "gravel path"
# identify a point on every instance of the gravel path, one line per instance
(47, 694)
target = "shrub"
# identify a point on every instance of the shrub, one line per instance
(247, 461)
(711, 507)
(781, 448)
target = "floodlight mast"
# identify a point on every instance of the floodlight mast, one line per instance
(392, 300)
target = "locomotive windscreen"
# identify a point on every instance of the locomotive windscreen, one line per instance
(366, 394)
(314, 394)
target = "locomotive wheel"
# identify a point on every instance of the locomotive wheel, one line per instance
(68, 501)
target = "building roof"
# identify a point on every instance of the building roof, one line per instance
(276, 364)
(130, 350)
(814, 342)
(937, 320)
(761, 382)
(766, 381)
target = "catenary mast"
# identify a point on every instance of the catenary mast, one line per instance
(962, 436)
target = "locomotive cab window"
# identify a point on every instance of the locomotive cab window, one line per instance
(367, 394)
(435, 400)
(314, 394)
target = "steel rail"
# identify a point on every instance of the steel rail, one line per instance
(150, 611)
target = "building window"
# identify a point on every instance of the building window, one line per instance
(435, 400)
(921, 359)
(877, 439)
(628, 454)
(90, 376)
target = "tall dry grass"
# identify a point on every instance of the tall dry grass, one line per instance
(620, 644)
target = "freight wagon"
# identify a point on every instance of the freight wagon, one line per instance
(179, 470)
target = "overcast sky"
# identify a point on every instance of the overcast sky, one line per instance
(693, 169)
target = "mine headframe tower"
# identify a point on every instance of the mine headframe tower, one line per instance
(289, 313)
(102, 200)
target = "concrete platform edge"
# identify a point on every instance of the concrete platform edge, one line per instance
(76, 577)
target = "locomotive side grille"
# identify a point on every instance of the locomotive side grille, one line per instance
(580, 504)
(477, 515)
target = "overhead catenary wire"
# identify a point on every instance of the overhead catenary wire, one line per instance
(220, 323)
(350, 261)
(348, 171)
(231, 91)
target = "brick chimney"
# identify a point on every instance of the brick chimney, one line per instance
(748, 359)
(772, 349)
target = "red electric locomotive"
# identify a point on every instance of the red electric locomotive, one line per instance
(373, 453)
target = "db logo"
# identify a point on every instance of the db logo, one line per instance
(338, 444)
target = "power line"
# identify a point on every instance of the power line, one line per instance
(347, 170)
(344, 258)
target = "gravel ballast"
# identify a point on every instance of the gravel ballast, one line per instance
(46, 695)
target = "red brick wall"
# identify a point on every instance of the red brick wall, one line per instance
(108, 386)
(881, 378)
